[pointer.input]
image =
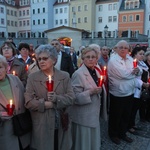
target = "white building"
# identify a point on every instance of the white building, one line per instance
(61, 13)
(41, 17)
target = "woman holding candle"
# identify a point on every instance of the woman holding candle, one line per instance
(86, 110)
(138, 103)
(47, 104)
(11, 102)
(14, 65)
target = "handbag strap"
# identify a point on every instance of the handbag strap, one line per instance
(3, 107)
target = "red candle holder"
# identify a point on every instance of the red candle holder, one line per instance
(135, 63)
(50, 85)
(148, 80)
(27, 67)
(100, 81)
(10, 109)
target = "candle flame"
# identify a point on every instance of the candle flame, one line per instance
(135, 60)
(11, 103)
(104, 67)
(13, 73)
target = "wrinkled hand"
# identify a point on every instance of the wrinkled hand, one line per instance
(96, 90)
(48, 105)
(135, 71)
(51, 96)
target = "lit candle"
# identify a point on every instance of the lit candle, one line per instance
(14, 73)
(148, 80)
(10, 108)
(134, 63)
(27, 67)
(104, 70)
(50, 84)
(100, 81)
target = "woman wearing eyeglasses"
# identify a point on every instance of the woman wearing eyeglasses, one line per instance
(51, 128)
(14, 65)
(86, 109)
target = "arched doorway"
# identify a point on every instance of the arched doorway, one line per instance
(66, 41)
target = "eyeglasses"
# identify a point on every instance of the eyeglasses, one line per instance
(54, 44)
(88, 57)
(5, 48)
(121, 47)
(42, 58)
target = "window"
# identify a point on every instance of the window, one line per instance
(65, 10)
(20, 13)
(109, 18)
(79, 8)
(79, 20)
(2, 10)
(28, 22)
(131, 18)
(12, 23)
(99, 19)
(85, 19)
(12, 13)
(2, 21)
(115, 6)
(85, 8)
(24, 13)
(65, 21)
(20, 23)
(43, 10)
(43, 21)
(8, 22)
(27, 12)
(110, 7)
(137, 17)
(24, 23)
(61, 21)
(38, 10)
(56, 22)
(33, 22)
(56, 11)
(124, 19)
(15, 13)
(16, 24)
(61, 10)
(73, 9)
(100, 7)
(7, 11)
(114, 18)
(38, 21)
(33, 11)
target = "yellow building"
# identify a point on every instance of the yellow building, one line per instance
(82, 14)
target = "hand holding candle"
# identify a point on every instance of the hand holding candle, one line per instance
(50, 84)
(134, 63)
(27, 67)
(10, 108)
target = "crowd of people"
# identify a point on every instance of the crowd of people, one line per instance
(67, 93)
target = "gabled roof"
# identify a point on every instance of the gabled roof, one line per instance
(65, 27)
(122, 6)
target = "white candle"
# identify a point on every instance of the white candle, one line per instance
(50, 79)
(10, 103)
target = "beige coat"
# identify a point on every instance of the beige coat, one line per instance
(7, 139)
(44, 120)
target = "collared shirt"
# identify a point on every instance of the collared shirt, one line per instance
(58, 64)
(121, 80)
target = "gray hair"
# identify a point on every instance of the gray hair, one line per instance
(48, 49)
(3, 61)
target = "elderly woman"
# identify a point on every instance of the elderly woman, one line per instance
(14, 65)
(86, 110)
(50, 128)
(10, 88)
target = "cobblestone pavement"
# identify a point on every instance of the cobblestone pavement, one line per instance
(141, 141)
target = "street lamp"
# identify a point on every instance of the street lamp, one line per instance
(105, 33)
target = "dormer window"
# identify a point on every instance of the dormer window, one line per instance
(131, 4)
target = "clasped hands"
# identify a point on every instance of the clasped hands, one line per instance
(135, 71)
(96, 90)
(51, 100)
